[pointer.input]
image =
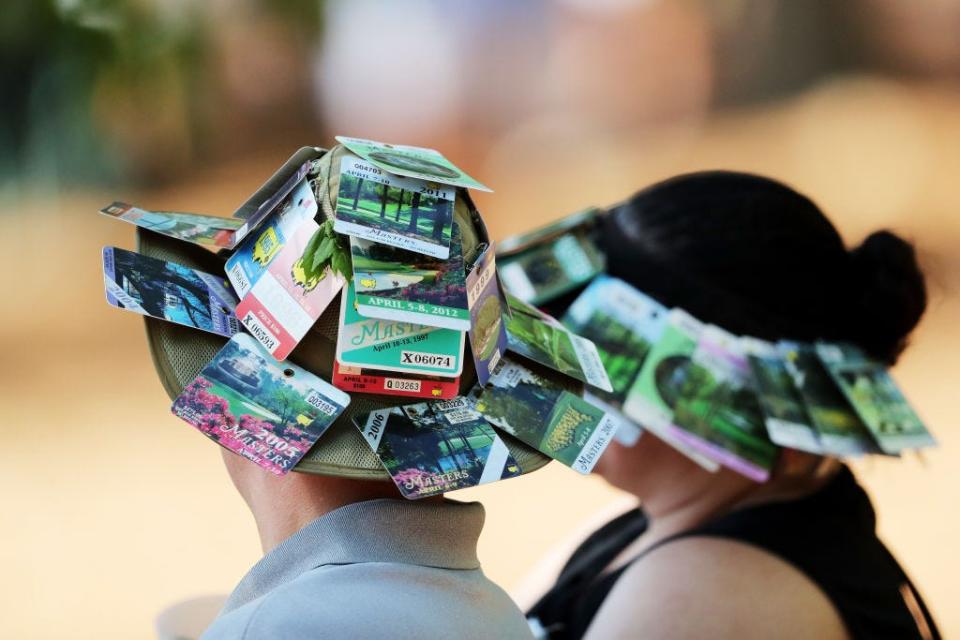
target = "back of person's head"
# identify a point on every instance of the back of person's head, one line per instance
(757, 258)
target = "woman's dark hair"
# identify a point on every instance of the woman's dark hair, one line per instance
(757, 258)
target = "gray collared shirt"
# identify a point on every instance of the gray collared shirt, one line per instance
(376, 569)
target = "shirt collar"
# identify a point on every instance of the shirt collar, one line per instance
(437, 534)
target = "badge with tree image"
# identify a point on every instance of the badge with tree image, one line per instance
(406, 213)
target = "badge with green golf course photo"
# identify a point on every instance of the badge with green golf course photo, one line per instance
(875, 397)
(540, 412)
(413, 162)
(393, 345)
(549, 270)
(717, 411)
(840, 429)
(396, 284)
(402, 212)
(623, 323)
(654, 393)
(488, 331)
(541, 338)
(430, 448)
(784, 413)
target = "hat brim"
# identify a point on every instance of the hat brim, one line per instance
(179, 353)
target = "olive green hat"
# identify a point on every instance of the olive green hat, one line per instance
(179, 353)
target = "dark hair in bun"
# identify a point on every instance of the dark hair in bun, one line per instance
(757, 258)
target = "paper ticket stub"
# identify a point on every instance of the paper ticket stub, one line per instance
(360, 380)
(395, 284)
(284, 303)
(267, 412)
(169, 291)
(253, 256)
(428, 449)
(406, 213)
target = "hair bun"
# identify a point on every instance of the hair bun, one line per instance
(889, 294)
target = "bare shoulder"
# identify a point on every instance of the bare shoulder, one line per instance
(712, 587)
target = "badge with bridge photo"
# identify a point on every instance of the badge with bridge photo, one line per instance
(413, 162)
(431, 448)
(169, 291)
(393, 345)
(401, 212)
(267, 412)
(544, 415)
(396, 284)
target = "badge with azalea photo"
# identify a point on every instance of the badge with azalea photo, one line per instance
(267, 412)
(434, 447)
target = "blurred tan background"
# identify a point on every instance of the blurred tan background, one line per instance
(114, 509)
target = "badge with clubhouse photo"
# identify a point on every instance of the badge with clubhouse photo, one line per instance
(544, 415)
(169, 291)
(291, 294)
(653, 394)
(267, 412)
(623, 323)
(395, 284)
(718, 413)
(535, 335)
(401, 212)
(784, 414)
(432, 448)
(253, 256)
(876, 398)
(413, 162)
(488, 331)
(390, 345)
(393, 383)
(840, 429)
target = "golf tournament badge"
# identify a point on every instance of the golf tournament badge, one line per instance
(413, 162)
(395, 284)
(717, 412)
(488, 331)
(406, 213)
(393, 383)
(537, 336)
(874, 395)
(190, 227)
(786, 418)
(432, 448)
(253, 256)
(544, 415)
(391, 345)
(169, 291)
(267, 412)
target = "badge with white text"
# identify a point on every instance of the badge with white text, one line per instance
(264, 411)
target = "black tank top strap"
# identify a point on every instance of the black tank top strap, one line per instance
(829, 536)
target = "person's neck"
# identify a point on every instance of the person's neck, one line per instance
(282, 506)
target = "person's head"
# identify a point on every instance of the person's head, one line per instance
(755, 257)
